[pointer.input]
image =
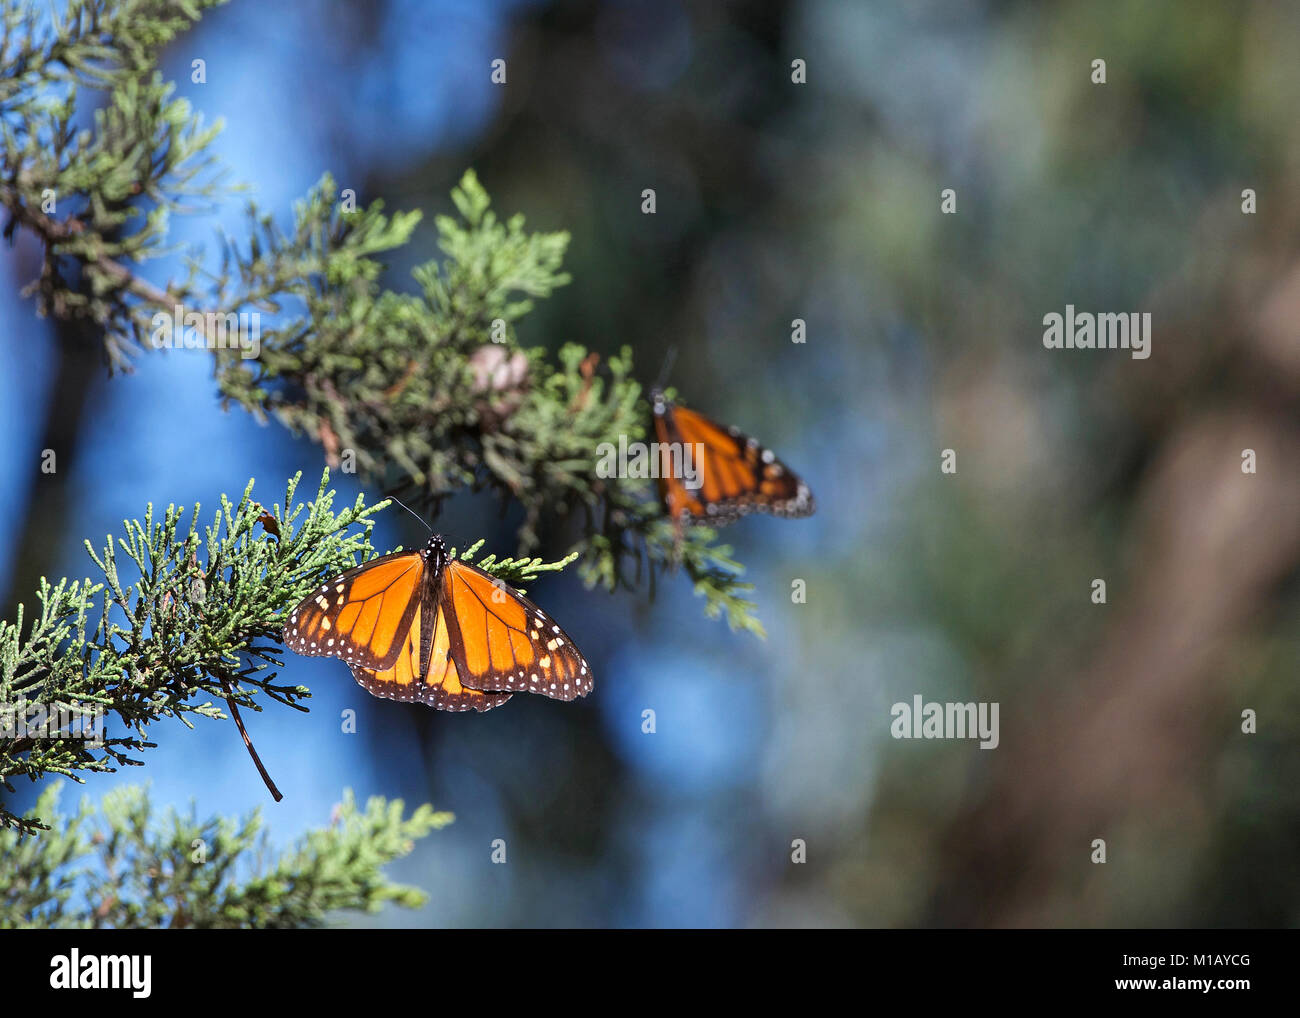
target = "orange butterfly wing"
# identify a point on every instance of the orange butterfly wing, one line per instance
(677, 498)
(736, 474)
(485, 642)
(441, 686)
(362, 616)
(502, 642)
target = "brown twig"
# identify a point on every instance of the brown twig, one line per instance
(248, 743)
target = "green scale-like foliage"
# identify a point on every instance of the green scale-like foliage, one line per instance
(128, 867)
(199, 617)
(425, 393)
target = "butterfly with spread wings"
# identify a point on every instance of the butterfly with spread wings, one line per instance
(423, 626)
(736, 474)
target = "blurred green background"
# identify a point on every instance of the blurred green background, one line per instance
(818, 201)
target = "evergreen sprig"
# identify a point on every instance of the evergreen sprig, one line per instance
(99, 197)
(129, 868)
(199, 617)
(425, 393)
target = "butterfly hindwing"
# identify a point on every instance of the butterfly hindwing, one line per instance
(440, 686)
(736, 474)
(362, 616)
(502, 642)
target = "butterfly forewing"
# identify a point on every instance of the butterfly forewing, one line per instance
(362, 616)
(440, 686)
(503, 642)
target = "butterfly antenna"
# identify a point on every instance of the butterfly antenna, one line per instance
(669, 358)
(411, 511)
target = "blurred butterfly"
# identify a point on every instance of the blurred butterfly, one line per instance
(423, 626)
(734, 474)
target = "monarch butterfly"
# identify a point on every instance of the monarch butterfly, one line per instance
(736, 474)
(423, 626)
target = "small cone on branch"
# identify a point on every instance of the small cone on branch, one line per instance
(501, 375)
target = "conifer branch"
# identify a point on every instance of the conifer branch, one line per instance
(198, 618)
(425, 394)
(129, 868)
